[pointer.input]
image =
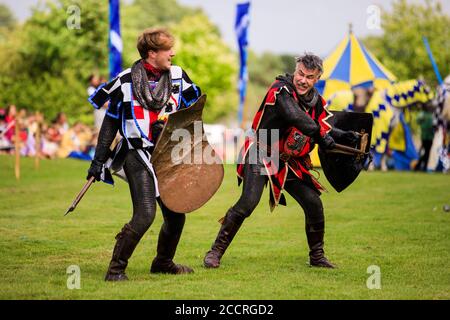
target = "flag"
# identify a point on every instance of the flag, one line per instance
(241, 27)
(115, 40)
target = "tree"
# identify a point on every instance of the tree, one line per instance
(7, 19)
(50, 58)
(142, 14)
(209, 62)
(45, 62)
(7, 22)
(263, 69)
(401, 46)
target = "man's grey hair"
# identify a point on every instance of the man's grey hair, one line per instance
(311, 62)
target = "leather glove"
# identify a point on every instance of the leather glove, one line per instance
(157, 127)
(326, 142)
(351, 137)
(95, 170)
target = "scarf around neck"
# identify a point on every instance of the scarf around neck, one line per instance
(154, 99)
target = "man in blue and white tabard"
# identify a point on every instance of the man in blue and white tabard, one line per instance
(140, 99)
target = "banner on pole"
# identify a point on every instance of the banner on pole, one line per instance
(115, 39)
(241, 27)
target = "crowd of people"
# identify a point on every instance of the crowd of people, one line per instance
(59, 140)
(36, 136)
(50, 139)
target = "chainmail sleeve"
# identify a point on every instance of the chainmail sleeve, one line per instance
(106, 136)
(295, 116)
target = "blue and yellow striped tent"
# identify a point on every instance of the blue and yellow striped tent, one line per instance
(352, 65)
(398, 96)
(390, 108)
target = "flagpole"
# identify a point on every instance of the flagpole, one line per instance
(433, 62)
(241, 28)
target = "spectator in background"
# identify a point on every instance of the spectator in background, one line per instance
(61, 122)
(75, 142)
(90, 150)
(29, 126)
(361, 98)
(2, 121)
(54, 132)
(10, 118)
(425, 121)
(23, 130)
(94, 82)
(32, 125)
(5, 144)
(50, 140)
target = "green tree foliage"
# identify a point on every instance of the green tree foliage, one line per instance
(209, 63)
(7, 19)
(45, 63)
(199, 49)
(52, 58)
(263, 69)
(142, 14)
(401, 47)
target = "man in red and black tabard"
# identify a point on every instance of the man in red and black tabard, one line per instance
(296, 111)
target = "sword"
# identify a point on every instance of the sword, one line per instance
(340, 148)
(80, 195)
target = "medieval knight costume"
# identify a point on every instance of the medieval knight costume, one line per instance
(301, 121)
(140, 99)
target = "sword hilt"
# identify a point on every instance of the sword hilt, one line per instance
(340, 148)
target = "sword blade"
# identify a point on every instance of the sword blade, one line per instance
(341, 147)
(80, 195)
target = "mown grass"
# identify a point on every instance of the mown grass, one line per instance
(392, 220)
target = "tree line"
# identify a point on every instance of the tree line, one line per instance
(45, 63)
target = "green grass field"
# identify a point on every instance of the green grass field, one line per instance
(391, 220)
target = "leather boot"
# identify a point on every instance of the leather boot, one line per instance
(315, 234)
(230, 226)
(127, 240)
(167, 246)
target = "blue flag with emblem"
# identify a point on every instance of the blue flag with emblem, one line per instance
(115, 40)
(241, 27)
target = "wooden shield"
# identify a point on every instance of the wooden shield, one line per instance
(188, 169)
(342, 169)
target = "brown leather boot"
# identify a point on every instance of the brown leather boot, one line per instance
(127, 240)
(167, 246)
(230, 226)
(315, 241)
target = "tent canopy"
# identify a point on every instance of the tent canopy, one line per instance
(352, 65)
